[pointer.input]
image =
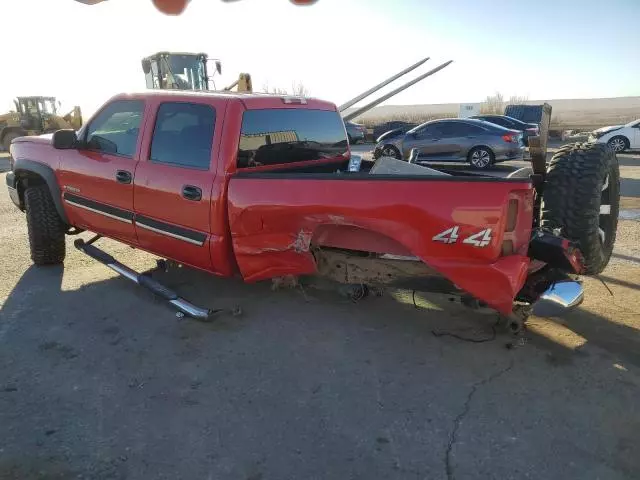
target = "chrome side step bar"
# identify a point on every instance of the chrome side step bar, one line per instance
(149, 283)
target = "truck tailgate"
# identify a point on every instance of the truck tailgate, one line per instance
(474, 231)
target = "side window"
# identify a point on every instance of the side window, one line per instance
(449, 129)
(183, 135)
(116, 128)
(467, 129)
(282, 136)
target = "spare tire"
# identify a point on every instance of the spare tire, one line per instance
(581, 197)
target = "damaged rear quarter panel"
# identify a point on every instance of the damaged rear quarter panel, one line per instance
(275, 219)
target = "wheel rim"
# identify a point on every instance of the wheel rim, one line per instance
(617, 144)
(604, 223)
(480, 158)
(389, 152)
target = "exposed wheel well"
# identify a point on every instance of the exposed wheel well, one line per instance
(27, 179)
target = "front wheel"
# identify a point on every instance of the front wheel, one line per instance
(45, 227)
(618, 144)
(391, 151)
(481, 158)
(581, 197)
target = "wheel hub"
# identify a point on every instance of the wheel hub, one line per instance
(480, 158)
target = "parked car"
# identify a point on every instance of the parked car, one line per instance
(386, 127)
(527, 129)
(474, 141)
(356, 132)
(619, 137)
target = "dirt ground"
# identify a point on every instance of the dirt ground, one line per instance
(100, 380)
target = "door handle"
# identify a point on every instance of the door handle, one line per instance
(122, 176)
(191, 193)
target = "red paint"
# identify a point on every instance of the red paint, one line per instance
(265, 227)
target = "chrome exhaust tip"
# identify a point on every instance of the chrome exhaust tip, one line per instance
(560, 298)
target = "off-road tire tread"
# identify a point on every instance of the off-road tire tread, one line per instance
(45, 227)
(572, 196)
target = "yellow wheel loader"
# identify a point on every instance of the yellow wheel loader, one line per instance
(35, 116)
(186, 71)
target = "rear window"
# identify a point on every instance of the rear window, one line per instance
(281, 136)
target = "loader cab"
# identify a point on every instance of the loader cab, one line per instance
(178, 71)
(36, 113)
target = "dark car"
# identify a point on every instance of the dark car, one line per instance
(355, 132)
(527, 129)
(474, 141)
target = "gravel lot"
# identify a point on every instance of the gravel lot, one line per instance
(99, 380)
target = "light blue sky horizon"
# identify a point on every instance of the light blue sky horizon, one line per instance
(541, 49)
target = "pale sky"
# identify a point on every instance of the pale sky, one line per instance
(337, 48)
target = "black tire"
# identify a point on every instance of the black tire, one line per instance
(390, 151)
(485, 158)
(580, 178)
(46, 228)
(6, 140)
(619, 143)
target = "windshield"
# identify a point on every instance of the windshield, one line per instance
(48, 106)
(187, 71)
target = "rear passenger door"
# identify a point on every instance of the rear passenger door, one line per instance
(173, 182)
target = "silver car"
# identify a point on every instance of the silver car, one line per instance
(476, 142)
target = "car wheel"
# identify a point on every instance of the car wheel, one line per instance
(582, 198)
(619, 143)
(45, 228)
(481, 158)
(391, 151)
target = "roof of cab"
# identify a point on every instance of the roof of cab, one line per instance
(250, 100)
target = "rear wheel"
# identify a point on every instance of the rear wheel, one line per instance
(582, 198)
(46, 228)
(619, 144)
(481, 158)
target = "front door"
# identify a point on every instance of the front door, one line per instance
(97, 179)
(434, 142)
(173, 184)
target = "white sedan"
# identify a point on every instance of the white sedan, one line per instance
(619, 137)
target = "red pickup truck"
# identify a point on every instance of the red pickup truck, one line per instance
(265, 186)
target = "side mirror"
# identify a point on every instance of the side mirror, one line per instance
(219, 67)
(64, 139)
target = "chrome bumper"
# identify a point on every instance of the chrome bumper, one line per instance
(560, 298)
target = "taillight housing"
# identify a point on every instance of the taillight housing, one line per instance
(510, 138)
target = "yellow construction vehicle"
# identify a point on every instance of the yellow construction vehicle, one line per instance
(186, 71)
(35, 116)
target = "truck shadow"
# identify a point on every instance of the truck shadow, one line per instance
(39, 301)
(88, 368)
